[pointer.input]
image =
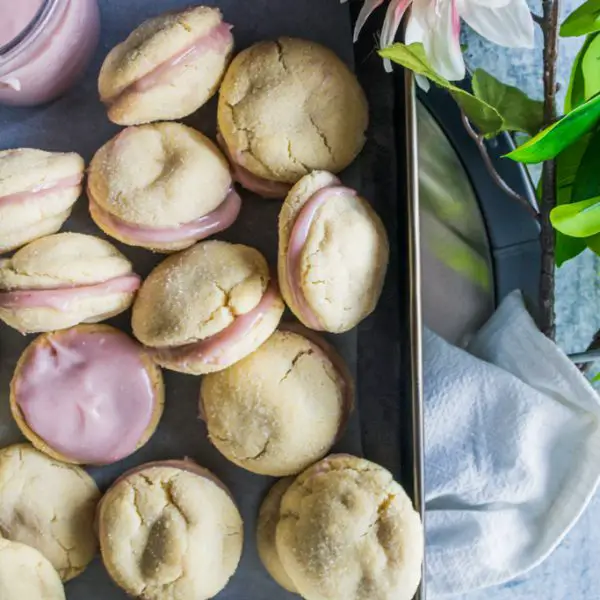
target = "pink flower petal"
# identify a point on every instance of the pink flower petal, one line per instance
(510, 25)
(393, 18)
(365, 12)
(435, 24)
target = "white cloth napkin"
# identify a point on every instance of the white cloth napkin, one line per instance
(512, 451)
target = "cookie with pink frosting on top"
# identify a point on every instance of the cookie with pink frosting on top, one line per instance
(62, 280)
(333, 254)
(167, 68)
(37, 192)
(287, 107)
(161, 186)
(206, 308)
(87, 395)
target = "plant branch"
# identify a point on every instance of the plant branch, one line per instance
(594, 345)
(480, 141)
(548, 200)
(537, 18)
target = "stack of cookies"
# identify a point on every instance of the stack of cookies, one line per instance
(275, 396)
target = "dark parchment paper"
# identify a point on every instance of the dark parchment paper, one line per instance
(78, 122)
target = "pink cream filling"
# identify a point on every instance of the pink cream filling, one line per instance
(87, 394)
(216, 40)
(259, 185)
(43, 189)
(297, 240)
(62, 298)
(217, 220)
(216, 349)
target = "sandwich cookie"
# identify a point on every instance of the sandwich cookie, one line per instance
(87, 395)
(280, 409)
(167, 68)
(268, 518)
(333, 254)
(62, 280)
(162, 186)
(49, 506)
(205, 308)
(170, 529)
(348, 531)
(25, 574)
(288, 107)
(37, 192)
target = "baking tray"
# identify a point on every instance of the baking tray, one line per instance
(383, 352)
(512, 231)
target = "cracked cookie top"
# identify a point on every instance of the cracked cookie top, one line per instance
(25, 574)
(170, 531)
(29, 169)
(37, 192)
(159, 175)
(339, 248)
(199, 292)
(348, 531)
(278, 410)
(289, 106)
(61, 260)
(49, 506)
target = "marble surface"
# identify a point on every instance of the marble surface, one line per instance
(572, 570)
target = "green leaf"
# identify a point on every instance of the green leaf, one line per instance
(567, 165)
(518, 111)
(584, 20)
(587, 178)
(595, 378)
(566, 248)
(494, 107)
(578, 219)
(413, 57)
(554, 139)
(585, 75)
(593, 243)
(482, 115)
(589, 66)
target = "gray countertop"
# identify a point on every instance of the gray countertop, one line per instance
(571, 571)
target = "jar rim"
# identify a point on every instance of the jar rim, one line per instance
(31, 30)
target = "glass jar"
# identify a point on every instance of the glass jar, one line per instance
(50, 53)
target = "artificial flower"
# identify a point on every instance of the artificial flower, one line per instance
(436, 25)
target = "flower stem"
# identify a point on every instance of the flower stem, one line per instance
(548, 200)
(537, 18)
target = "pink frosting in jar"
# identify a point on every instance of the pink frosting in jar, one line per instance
(51, 53)
(296, 242)
(217, 220)
(216, 349)
(259, 185)
(44, 189)
(218, 39)
(62, 298)
(86, 393)
(16, 16)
